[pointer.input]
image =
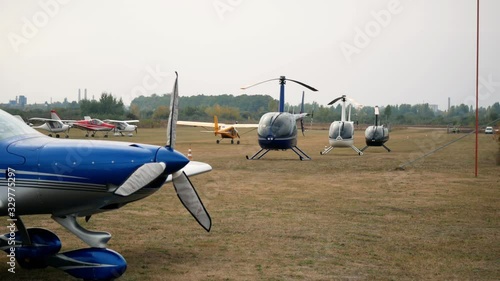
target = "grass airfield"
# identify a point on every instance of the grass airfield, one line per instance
(339, 216)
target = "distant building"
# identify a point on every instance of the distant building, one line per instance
(20, 101)
(23, 101)
(434, 107)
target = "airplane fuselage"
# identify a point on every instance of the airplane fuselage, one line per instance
(76, 176)
(55, 127)
(227, 133)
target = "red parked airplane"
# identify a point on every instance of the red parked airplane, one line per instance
(93, 125)
(87, 124)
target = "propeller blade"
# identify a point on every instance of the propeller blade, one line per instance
(303, 84)
(190, 199)
(174, 113)
(335, 100)
(249, 86)
(140, 178)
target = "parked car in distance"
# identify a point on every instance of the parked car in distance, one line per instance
(488, 130)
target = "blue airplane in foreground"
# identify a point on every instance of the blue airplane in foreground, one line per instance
(79, 178)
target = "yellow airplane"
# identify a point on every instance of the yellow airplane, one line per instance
(225, 131)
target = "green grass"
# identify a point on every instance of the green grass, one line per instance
(338, 217)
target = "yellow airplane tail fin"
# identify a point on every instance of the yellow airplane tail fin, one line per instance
(216, 125)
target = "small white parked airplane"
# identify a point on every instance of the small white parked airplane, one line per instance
(52, 125)
(123, 126)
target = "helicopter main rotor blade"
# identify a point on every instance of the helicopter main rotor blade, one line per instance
(249, 86)
(303, 84)
(335, 100)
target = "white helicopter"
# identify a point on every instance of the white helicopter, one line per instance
(341, 132)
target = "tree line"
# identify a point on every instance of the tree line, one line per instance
(249, 108)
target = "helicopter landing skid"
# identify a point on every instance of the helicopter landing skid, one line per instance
(329, 148)
(259, 154)
(302, 155)
(263, 151)
(386, 148)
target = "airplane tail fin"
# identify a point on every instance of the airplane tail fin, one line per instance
(216, 125)
(54, 115)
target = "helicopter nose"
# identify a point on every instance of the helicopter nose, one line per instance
(173, 159)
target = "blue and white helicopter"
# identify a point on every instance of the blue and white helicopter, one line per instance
(67, 179)
(278, 130)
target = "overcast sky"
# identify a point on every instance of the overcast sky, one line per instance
(378, 52)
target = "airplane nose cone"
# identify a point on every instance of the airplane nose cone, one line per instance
(173, 159)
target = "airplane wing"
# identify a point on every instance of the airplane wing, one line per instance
(194, 168)
(120, 121)
(208, 124)
(69, 122)
(43, 119)
(196, 124)
(245, 125)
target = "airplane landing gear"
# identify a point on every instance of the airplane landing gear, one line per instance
(39, 248)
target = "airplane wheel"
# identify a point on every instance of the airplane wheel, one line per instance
(232, 141)
(50, 135)
(105, 136)
(238, 142)
(86, 135)
(57, 135)
(66, 136)
(217, 141)
(93, 135)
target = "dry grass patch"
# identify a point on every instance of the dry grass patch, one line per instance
(338, 217)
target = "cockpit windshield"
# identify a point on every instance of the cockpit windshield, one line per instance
(10, 126)
(96, 122)
(277, 124)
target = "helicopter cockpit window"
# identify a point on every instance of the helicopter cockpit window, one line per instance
(343, 129)
(277, 124)
(10, 126)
